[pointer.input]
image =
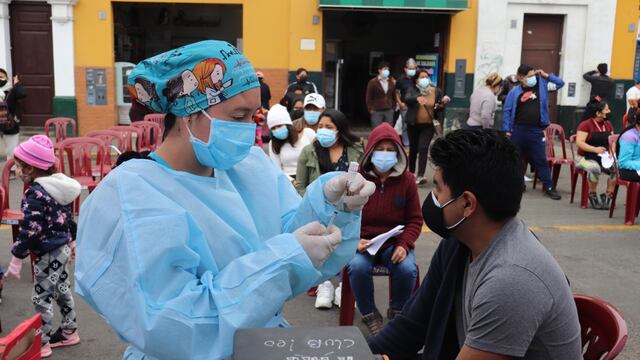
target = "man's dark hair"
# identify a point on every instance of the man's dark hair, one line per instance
(301, 70)
(486, 163)
(603, 68)
(524, 69)
(383, 64)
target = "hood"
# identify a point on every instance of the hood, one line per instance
(384, 131)
(61, 187)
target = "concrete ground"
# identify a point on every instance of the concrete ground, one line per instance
(599, 255)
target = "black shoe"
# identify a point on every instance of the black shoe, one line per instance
(594, 201)
(605, 201)
(552, 193)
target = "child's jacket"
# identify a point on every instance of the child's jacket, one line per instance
(47, 215)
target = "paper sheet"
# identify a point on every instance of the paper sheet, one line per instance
(379, 240)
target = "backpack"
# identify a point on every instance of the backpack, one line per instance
(7, 120)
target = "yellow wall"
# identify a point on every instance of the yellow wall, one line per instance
(301, 25)
(462, 38)
(624, 41)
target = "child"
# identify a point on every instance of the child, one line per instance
(46, 232)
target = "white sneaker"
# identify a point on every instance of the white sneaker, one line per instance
(338, 295)
(421, 181)
(324, 295)
(527, 179)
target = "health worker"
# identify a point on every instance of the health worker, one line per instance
(179, 250)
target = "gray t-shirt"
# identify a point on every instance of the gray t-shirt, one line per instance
(515, 300)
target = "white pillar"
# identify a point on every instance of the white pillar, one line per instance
(5, 36)
(63, 47)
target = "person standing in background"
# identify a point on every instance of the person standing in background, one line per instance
(483, 103)
(265, 91)
(601, 83)
(633, 94)
(381, 96)
(302, 81)
(11, 95)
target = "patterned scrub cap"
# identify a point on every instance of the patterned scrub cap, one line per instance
(192, 78)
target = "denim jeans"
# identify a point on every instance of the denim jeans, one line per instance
(530, 143)
(403, 278)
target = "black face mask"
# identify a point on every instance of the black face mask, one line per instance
(432, 212)
(302, 79)
(296, 114)
(3, 82)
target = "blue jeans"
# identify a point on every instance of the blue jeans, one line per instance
(530, 144)
(403, 278)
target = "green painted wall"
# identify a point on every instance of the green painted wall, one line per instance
(65, 106)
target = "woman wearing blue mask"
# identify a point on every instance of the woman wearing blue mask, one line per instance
(335, 146)
(394, 203)
(425, 104)
(188, 242)
(286, 143)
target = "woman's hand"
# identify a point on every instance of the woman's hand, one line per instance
(15, 80)
(363, 244)
(399, 254)
(600, 150)
(422, 100)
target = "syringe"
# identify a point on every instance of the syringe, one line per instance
(353, 169)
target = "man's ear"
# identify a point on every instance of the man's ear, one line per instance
(470, 203)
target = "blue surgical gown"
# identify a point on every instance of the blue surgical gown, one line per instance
(175, 262)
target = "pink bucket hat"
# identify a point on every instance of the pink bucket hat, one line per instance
(37, 152)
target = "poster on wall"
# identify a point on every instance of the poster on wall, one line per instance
(429, 62)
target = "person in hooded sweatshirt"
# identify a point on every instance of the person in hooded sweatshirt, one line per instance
(46, 232)
(395, 202)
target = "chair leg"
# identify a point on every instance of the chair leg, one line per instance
(632, 203)
(574, 182)
(584, 192)
(555, 175)
(613, 200)
(347, 300)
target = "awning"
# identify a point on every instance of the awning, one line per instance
(396, 4)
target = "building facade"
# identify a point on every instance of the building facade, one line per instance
(73, 55)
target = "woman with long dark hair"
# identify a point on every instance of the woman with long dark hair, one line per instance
(335, 146)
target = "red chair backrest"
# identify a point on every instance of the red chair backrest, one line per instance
(151, 135)
(61, 126)
(156, 118)
(603, 329)
(24, 342)
(6, 174)
(572, 142)
(551, 132)
(129, 133)
(79, 154)
(108, 137)
(625, 118)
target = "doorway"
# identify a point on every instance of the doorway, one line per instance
(541, 48)
(356, 41)
(32, 58)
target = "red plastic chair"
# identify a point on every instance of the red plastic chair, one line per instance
(625, 118)
(61, 127)
(603, 330)
(575, 174)
(151, 135)
(554, 160)
(156, 118)
(632, 207)
(24, 342)
(79, 158)
(110, 138)
(348, 300)
(131, 136)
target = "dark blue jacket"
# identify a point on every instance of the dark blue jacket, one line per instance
(511, 102)
(428, 318)
(47, 224)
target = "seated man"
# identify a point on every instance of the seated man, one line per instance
(492, 290)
